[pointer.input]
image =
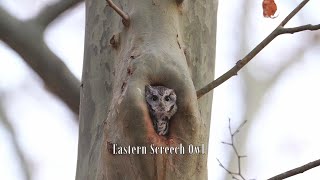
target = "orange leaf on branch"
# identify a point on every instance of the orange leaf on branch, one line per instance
(269, 8)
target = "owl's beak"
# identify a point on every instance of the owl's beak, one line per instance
(161, 106)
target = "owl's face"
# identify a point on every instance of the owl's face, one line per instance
(161, 99)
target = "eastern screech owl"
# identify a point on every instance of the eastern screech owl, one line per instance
(162, 106)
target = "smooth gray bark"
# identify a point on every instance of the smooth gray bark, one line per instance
(165, 44)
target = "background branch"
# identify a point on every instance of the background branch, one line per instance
(297, 170)
(241, 63)
(26, 39)
(25, 166)
(51, 12)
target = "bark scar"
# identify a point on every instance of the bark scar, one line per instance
(156, 2)
(178, 41)
(115, 40)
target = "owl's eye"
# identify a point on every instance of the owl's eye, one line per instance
(154, 98)
(167, 98)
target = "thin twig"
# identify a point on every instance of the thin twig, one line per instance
(235, 175)
(241, 63)
(51, 12)
(125, 16)
(293, 13)
(297, 170)
(299, 29)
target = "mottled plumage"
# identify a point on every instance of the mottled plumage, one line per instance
(162, 106)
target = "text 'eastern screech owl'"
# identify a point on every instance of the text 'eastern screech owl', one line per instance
(162, 106)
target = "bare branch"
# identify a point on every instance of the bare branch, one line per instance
(234, 175)
(297, 170)
(27, 40)
(293, 13)
(299, 29)
(239, 127)
(125, 16)
(241, 63)
(24, 164)
(51, 12)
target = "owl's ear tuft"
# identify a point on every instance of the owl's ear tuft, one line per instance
(172, 92)
(148, 88)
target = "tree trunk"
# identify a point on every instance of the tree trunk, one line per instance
(166, 44)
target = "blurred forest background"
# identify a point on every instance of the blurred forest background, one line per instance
(278, 93)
